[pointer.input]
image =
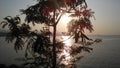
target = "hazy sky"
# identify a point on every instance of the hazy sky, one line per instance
(107, 13)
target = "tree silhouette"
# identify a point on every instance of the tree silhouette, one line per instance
(37, 43)
(83, 22)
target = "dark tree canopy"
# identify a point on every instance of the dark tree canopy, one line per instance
(45, 51)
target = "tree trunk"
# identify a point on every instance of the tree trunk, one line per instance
(54, 46)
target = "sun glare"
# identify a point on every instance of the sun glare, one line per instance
(65, 18)
(62, 26)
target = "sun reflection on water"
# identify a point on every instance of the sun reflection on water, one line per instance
(66, 50)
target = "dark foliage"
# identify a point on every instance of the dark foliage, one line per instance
(40, 51)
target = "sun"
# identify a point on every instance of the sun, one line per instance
(65, 18)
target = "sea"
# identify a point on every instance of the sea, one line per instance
(105, 54)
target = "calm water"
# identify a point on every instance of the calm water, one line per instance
(8, 54)
(105, 54)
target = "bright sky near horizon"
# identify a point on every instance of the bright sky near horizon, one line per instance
(107, 13)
